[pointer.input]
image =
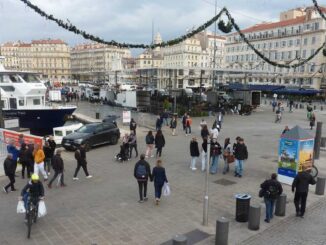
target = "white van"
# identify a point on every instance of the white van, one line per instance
(60, 132)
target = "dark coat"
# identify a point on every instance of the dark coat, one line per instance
(23, 155)
(158, 123)
(301, 182)
(14, 151)
(53, 145)
(173, 123)
(47, 152)
(80, 156)
(57, 164)
(148, 170)
(194, 150)
(241, 152)
(204, 133)
(271, 182)
(133, 125)
(159, 141)
(159, 176)
(149, 139)
(30, 150)
(9, 166)
(216, 149)
(34, 189)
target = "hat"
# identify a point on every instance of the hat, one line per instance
(35, 177)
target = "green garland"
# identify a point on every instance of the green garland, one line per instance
(225, 28)
(319, 10)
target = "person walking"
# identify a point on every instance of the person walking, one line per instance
(184, 119)
(142, 172)
(204, 155)
(312, 121)
(52, 145)
(158, 124)
(149, 143)
(203, 123)
(48, 156)
(58, 167)
(214, 132)
(24, 161)
(30, 156)
(159, 178)
(286, 129)
(165, 117)
(271, 190)
(204, 132)
(194, 153)
(227, 152)
(173, 125)
(240, 154)
(300, 186)
(39, 157)
(188, 125)
(159, 142)
(80, 156)
(274, 104)
(216, 151)
(219, 119)
(9, 168)
(12, 149)
(133, 126)
(132, 143)
(291, 105)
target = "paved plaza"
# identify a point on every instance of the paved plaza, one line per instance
(104, 209)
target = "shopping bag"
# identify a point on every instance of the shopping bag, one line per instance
(230, 158)
(41, 209)
(166, 189)
(21, 207)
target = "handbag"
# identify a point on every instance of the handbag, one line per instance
(230, 158)
(261, 193)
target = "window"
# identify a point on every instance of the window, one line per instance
(316, 26)
(58, 133)
(21, 102)
(304, 53)
(313, 40)
(283, 44)
(290, 43)
(305, 41)
(36, 101)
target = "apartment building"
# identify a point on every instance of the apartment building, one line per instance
(297, 34)
(96, 61)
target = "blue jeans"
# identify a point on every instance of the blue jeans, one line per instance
(188, 130)
(269, 208)
(158, 189)
(238, 166)
(214, 164)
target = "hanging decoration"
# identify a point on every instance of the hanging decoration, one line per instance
(319, 10)
(225, 28)
(324, 51)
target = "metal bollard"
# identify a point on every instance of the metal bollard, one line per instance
(254, 217)
(320, 186)
(222, 231)
(179, 240)
(280, 206)
(323, 142)
(321, 108)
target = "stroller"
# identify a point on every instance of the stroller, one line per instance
(123, 155)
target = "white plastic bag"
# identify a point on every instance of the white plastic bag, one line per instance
(41, 209)
(166, 189)
(21, 207)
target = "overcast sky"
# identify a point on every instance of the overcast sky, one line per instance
(129, 20)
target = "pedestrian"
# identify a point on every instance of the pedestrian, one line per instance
(312, 121)
(159, 143)
(30, 157)
(158, 124)
(227, 152)
(291, 105)
(39, 157)
(219, 119)
(125, 143)
(142, 172)
(133, 126)
(286, 129)
(48, 156)
(24, 161)
(159, 178)
(300, 186)
(165, 117)
(80, 156)
(188, 125)
(149, 144)
(12, 149)
(216, 151)
(58, 167)
(278, 116)
(204, 154)
(184, 119)
(173, 125)
(194, 153)
(274, 104)
(271, 190)
(52, 145)
(9, 168)
(240, 154)
(132, 144)
(203, 123)
(214, 132)
(204, 132)
(21, 139)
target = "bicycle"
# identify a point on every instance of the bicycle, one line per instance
(31, 214)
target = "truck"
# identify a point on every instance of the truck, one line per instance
(248, 97)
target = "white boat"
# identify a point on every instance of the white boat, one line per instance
(23, 96)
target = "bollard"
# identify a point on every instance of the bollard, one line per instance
(97, 115)
(323, 142)
(280, 206)
(320, 186)
(222, 231)
(321, 108)
(296, 106)
(179, 240)
(254, 217)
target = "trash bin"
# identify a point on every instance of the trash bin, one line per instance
(242, 207)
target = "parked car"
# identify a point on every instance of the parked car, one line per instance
(111, 119)
(92, 134)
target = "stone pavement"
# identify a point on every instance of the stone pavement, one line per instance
(104, 209)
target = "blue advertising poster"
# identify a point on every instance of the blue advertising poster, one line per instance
(288, 157)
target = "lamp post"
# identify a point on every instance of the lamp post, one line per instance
(205, 212)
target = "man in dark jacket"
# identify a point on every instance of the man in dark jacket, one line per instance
(12, 149)
(301, 187)
(142, 172)
(80, 156)
(52, 145)
(240, 154)
(132, 142)
(9, 167)
(58, 167)
(48, 156)
(24, 160)
(272, 189)
(133, 126)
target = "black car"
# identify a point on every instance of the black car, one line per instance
(111, 119)
(91, 135)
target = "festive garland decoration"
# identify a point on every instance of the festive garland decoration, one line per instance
(324, 51)
(225, 28)
(319, 10)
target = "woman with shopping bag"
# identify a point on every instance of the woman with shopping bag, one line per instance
(159, 178)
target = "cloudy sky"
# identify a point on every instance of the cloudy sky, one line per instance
(129, 20)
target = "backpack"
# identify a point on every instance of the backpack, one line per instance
(141, 171)
(272, 191)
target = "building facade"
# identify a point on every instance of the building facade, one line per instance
(297, 35)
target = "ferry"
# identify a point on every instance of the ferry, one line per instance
(23, 96)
